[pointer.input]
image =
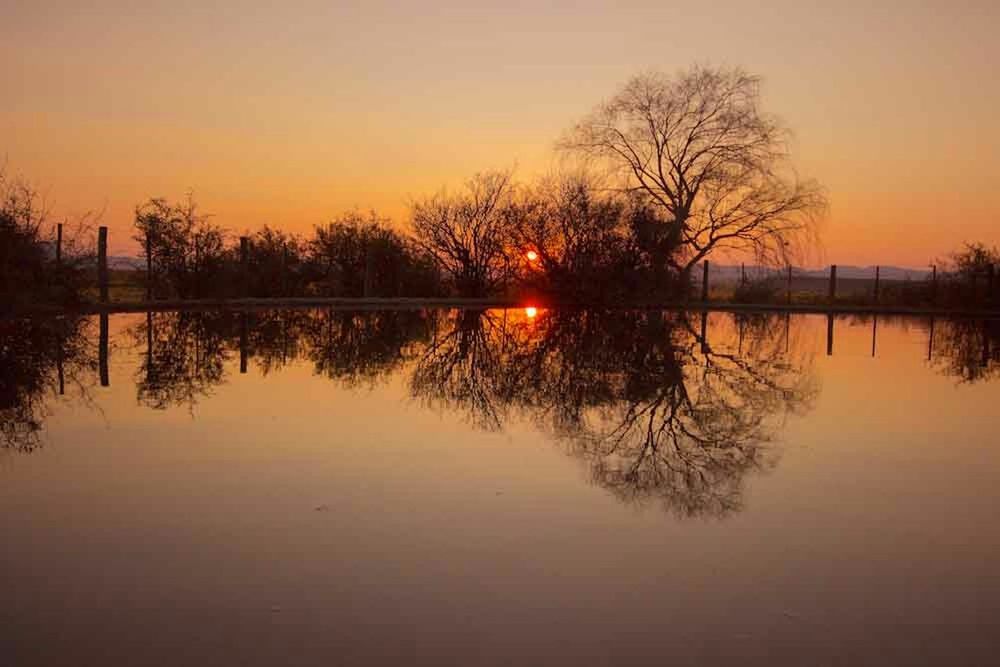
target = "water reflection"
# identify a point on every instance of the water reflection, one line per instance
(40, 359)
(659, 407)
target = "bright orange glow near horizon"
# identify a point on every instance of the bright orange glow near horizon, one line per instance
(290, 117)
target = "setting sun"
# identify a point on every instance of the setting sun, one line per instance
(531, 312)
(532, 256)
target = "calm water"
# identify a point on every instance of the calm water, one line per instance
(507, 487)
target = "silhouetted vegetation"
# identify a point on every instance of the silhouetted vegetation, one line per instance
(697, 146)
(34, 266)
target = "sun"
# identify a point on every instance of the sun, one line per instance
(531, 255)
(531, 312)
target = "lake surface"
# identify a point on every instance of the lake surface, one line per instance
(502, 487)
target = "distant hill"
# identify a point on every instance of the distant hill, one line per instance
(125, 263)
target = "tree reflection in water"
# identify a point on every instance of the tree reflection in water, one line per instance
(655, 409)
(40, 359)
(966, 349)
(659, 406)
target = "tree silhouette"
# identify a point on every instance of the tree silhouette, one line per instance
(698, 146)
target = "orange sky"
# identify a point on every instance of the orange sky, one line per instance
(290, 114)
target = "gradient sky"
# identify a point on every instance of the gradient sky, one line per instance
(288, 114)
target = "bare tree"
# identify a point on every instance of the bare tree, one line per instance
(698, 146)
(188, 251)
(468, 234)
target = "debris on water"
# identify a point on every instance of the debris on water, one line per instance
(322, 508)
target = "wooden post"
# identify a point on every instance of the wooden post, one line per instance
(990, 283)
(369, 259)
(102, 350)
(877, 268)
(829, 334)
(102, 262)
(833, 282)
(284, 269)
(704, 282)
(789, 283)
(149, 266)
(59, 234)
(245, 266)
(244, 335)
(743, 273)
(933, 284)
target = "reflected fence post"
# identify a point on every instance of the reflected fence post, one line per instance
(986, 343)
(874, 332)
(149, 343)
(102, 351)
(930, 339)
(244, 326)
(829, 334)
(59, 364)
(704, 332)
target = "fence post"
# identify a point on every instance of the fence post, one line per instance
(149, 266)
(284, 268)
(245, 266)
(368, 270)
(59, 230)
(930, 339)
(934, 284)
(743, 273)
(876, 283)
(990, 283)
(102, 262)
(833, 282)
(789, 296)
(704, 282)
